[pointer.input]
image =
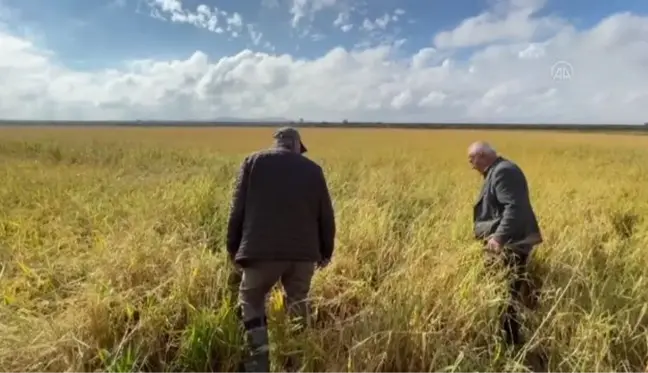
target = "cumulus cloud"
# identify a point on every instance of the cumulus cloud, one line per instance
(508, 21)
(510, 80)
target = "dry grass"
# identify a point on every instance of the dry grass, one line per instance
(107, 264)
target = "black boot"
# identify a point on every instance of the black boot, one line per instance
(510, 325)
(258, 345)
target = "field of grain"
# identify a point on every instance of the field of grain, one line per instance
(112, 252)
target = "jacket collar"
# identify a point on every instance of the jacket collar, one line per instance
(492, 165)
(281, 146)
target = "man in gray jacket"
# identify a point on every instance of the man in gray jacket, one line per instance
(281, 226)
(504, 220)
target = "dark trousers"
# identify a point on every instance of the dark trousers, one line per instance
(255, 281)
(515, 265)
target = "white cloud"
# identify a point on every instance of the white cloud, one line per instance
(510, 80)
(381, 30)
(209, 18)
(433, 99)
(342, 21)
(379, 23)
(255, 35)
(509, 21)
(367, 25)
(307, 8)
(235, 21)
(402, 100)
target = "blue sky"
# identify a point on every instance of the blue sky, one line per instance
(383, 60)
(92, 34)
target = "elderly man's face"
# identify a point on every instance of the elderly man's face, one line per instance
(477, 160)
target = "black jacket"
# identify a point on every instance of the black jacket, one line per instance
(281, 209)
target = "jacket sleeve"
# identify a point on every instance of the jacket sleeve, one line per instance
(326, 221)
(237, 209)
(509, 190)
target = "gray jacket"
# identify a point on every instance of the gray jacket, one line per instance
(503, 209)
(281, 209)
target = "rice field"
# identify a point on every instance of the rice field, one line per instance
(113, 259)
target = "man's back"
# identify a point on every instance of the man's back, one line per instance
(287, 209)
(281, 226)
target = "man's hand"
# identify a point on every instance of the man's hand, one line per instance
(493, 246)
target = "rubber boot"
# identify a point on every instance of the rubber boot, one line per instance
(257, 340)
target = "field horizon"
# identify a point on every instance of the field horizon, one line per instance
(233, 123)
(113, 258)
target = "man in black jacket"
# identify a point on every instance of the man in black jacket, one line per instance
(281, 227)
(504, 220)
